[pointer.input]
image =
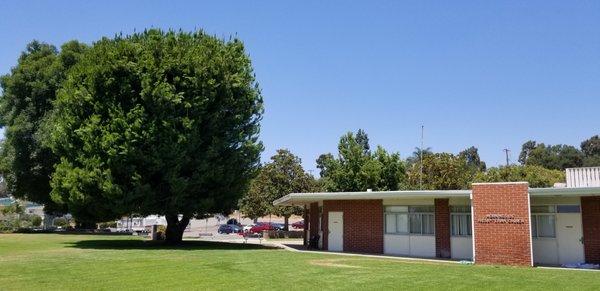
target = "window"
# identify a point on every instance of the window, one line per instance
(409, 219)
(568, 209)
(460, 220)
(543, 221)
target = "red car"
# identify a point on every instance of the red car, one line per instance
(298, 224)
(260, 227)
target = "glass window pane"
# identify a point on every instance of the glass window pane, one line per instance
(460, 209)
(545, 226)
(542, 209)
(533, 226)
(402, 223)
(463, 224)
(454, 224)
(390, 223)
(567, 209)
(415, 223)
(426, 208)
(396, 209)
(428, 223)
(469, 227)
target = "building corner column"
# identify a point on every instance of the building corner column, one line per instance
(442, 228)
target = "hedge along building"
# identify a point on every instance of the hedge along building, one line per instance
(493, 223)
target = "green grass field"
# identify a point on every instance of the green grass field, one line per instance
(76, 262)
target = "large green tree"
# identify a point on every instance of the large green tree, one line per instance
(356, 168)
(441, 171)
(557, 157)
(591, 149)
(471, 157)
(25, 103)
(282, 176)
(157, 123)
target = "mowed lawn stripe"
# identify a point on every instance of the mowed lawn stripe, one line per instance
(91, 262)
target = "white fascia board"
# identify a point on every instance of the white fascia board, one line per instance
(583, 191)
(303, 198)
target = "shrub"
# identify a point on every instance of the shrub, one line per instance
(107, 224)
(36, 221)
(60, 222)
(160, 232)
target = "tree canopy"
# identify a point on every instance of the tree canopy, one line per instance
(537, 176)
(441, 171)
(356, 168)
(157, 123)
(26, 101)
(282, 176)
(557, 157)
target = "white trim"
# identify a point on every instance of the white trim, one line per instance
(587, 191)
(472, 224)
(301, 198)
(530, 228)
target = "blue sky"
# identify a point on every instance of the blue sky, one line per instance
(492, 74)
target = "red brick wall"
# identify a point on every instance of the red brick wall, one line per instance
(590, 217)
(442, 228)
(313, 219)
(501, 223)
(363, 224)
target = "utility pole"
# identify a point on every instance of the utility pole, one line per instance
(421, 159)
(506, 151)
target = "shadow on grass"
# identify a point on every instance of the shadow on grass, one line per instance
(154, 245)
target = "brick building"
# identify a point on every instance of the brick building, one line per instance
(493, 223)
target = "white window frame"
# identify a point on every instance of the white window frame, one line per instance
(537, 227)
(469, 220)
(408, 214)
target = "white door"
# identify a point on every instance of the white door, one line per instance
(335, 238)
(569, 237)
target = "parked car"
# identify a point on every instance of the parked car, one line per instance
(298, 224)
(247, 227)
(233, 221)
(262, 226)
(229, 228)
(278, 226)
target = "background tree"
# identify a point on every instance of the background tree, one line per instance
(160, 123)
(591, 146)
(416, 155)
(255, 203)
(356, 168)
(526, 149)
(27, 95)
(557, 157)
(282, 176)
(591, 150)
(537, 176)
(471, 157)
(441, 171)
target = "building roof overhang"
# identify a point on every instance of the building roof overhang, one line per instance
(565, 191)
(306, 198)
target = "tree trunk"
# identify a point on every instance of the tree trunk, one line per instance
(175, 228)
(286, 223)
